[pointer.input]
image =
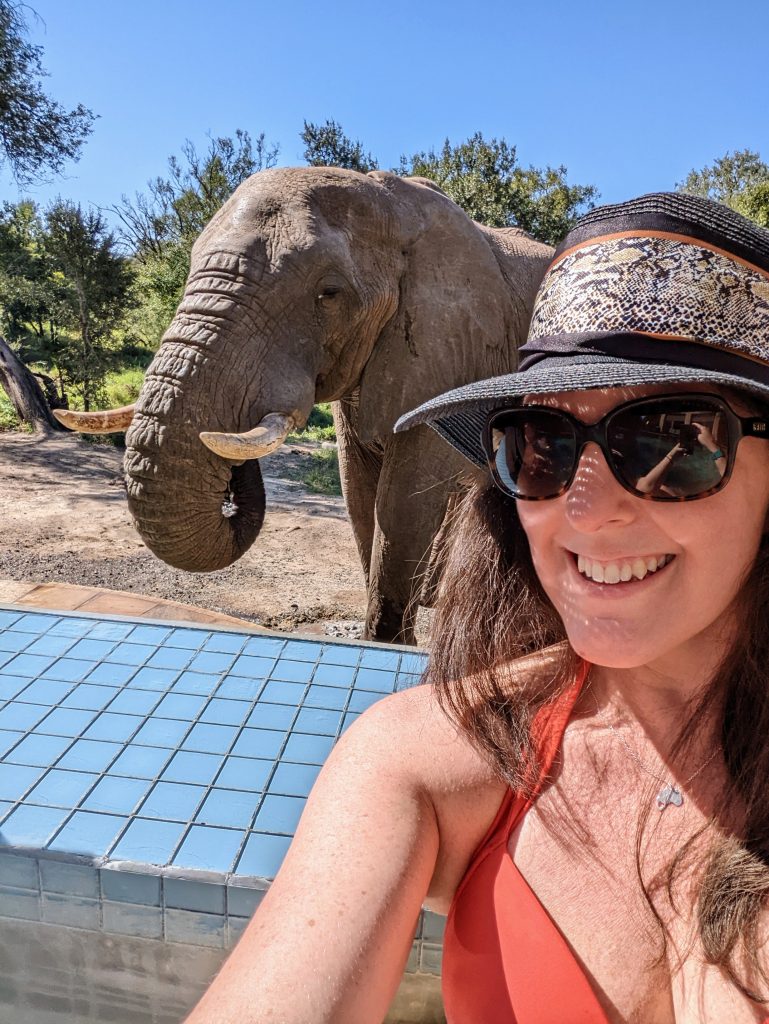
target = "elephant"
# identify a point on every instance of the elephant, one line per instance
(372, 291)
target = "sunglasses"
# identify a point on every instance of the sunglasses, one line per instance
(671, 448)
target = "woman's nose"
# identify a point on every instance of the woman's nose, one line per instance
(596, 498)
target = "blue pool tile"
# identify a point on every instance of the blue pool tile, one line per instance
(149, 634)
(226, 712)
(338, 654)
(292, 671)
(405, 680)
(8, 739)
(88, 833)
(111, 674)
(212, 739)
(191, 766)
(413, 664)
(90, 697)
(110, 630)
(5, 806)
(180, 705)
(148, 841)
(22, 716)
(176, 801)
(247, 773)
(90, 755)
(196, 683)
(334, 675)
(11, 686)
(373, 658)
(170, 657)
(130, 654)
(318, 720)
(5, 657)
(91, 649)
(240, 688)
(16, 779)
(31, 826)
(283, 693)
(213, 849)
(333, 698)
(35, 623)
(52, 645)
(192, 639)
(66, 722)
(115, 794)
(302, 650)
(225, 643)
(70, 669)
(27, 665)
(362, 699)
(15, 643)
(162, 732)
(8, 618)
(293, 779)
(374, 679)
(71, 627)
(230, 807)
(159, 679)
(141, 762)
(46, 691)
(211, 661)
(263, 646)
(263, 743)
(272, 716)
(111, 726)
(263, 855)
(279, 814)
(59, 788)
(349, 718)
(252, 667)
(40, 751)
(135, 702)
(307, 749)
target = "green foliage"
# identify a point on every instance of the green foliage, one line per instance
(159, 226)
(37, 135)
(8, 418)
(326, 145)
(485, 179)
(122, 387)
(323, 477)
(320, 426)
(739, 179)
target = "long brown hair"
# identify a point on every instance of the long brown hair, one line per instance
(492, 610)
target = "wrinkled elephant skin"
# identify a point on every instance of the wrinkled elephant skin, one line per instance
(373, 292)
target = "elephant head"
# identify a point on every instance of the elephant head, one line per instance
(309, 285)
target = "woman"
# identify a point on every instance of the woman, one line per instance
(583, 785)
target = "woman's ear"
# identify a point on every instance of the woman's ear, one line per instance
(458, 319)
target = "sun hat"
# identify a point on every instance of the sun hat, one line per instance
(666, 288)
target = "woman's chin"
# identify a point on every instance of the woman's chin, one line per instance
(612, 649)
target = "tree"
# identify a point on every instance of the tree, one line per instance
(739, 179)
(95, 284)
(160, 226)
(37, 135)
(485, 179)
(326, 145)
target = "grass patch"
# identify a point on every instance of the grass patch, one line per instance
(317, 470)
(320, 426)
(8, 418)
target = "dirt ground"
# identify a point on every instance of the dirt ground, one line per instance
(65, 518)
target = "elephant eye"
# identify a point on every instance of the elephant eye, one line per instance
(329, 292)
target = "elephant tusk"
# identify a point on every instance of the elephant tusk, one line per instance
(111, 421)
(263, 439)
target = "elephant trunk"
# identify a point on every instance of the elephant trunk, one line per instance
(194, 509)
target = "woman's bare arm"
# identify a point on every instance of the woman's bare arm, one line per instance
(330, 940)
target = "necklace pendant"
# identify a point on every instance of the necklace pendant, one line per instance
(669, 795)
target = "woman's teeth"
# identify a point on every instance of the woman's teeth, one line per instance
(621, 572)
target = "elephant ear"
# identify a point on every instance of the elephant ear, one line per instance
(463, 309)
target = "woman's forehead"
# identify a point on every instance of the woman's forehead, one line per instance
(597, 402)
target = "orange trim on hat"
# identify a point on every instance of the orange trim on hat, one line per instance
(671, 236)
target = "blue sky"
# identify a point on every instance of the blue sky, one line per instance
(629, 96)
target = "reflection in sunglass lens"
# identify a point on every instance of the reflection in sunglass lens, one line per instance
(668, 451)
(534, 453)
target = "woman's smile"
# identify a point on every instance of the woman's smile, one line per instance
(627, 569)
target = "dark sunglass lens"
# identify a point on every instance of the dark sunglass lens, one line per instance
(533, 453)
(671, 450)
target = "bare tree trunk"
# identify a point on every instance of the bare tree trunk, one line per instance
(24, 392)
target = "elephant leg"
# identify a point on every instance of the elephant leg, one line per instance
(359, 468)
(415, 485)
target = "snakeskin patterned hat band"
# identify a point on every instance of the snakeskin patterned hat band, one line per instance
(665, 289)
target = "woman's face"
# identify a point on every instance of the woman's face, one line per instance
(707, 546)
